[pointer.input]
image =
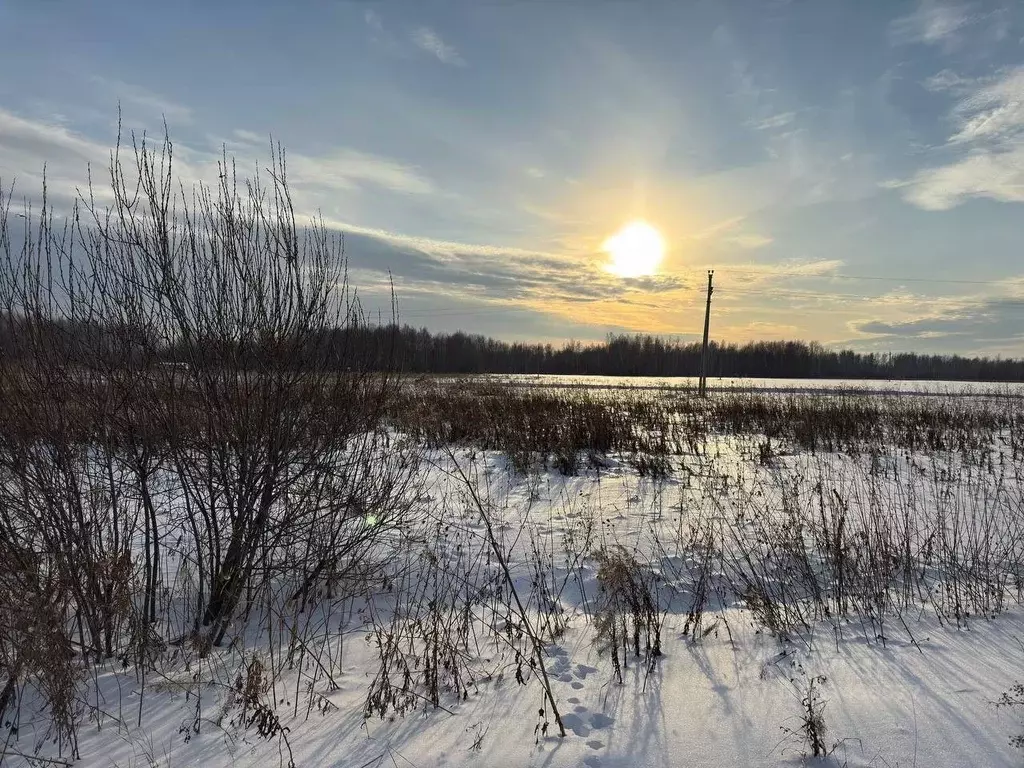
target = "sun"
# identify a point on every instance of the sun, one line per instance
(636, 250)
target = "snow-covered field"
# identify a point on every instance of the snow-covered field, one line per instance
(871, 598)
(751, 384)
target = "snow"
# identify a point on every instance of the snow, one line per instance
(706, 704)
(918, 690)
(761, 385)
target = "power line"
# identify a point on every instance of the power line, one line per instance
(807, 276)
(448, 312)
(798, 294)
(725, 292)
(781, 293)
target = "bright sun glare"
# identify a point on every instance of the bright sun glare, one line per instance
(636, 250)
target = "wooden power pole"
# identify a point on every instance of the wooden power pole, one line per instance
(702, 386)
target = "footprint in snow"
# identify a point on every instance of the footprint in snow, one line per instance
(560, 665)
(592, 762)
(601, 721)
(575, 724)
(582, 670)
(577, 685)
(595, 744)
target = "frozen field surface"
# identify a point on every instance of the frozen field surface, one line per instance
(876, 592)
(750, 384)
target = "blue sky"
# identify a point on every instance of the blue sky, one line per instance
(853, 171)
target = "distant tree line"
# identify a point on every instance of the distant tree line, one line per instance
(420, 351)
(411, 350)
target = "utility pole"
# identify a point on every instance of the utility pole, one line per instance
(702, 386)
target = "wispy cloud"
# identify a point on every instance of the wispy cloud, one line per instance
(383, 37)
(340, 169)
(932, 23)
(351, 169)
(994, 113)
(248, 136)
(989, 137)
(27, 146)
(718, 228)
(750, 241)
(147, 100)
(429, 41)
(997, 176)
(759, 274)
(780, 120)
(986, 322)
(373, 20)
(992, 323)
(948, 80)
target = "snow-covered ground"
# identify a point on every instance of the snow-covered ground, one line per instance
(879, 591)
(763, 385)
(711, 703)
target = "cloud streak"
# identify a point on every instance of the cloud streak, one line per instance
(347, 169)
(932, 23)
(27, 145)
(149, 102)
(989, 140)
(429, 41)
(992, 325)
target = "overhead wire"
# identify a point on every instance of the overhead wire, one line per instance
(724, 291)
(781, 293)
(812, 276)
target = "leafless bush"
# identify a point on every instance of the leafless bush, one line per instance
(811, 729)
(454, 613)
(189, 435)
(629, 609)
(1014, 699)
(37, 654)
(424, 640)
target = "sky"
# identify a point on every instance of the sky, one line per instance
(852, 171)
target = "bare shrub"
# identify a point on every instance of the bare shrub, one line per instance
(36, 651)
(629, 611)
(1013, 698)
(191, 436)
(423, 641)
(811, 728)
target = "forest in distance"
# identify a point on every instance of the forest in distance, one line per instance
(406, 349)
(420, 351)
